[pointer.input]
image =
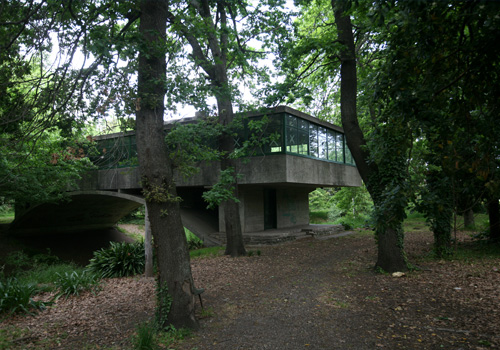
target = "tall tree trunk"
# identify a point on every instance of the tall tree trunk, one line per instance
(217, 40)
(175, 281)
(391, 255)
(494, 216)
(469, 221)
(234, 236)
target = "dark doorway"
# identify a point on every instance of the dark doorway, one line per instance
(270, 211)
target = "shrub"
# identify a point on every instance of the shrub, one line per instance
(73, 283)
(45, 277)
(119, 260)
(193, 241)
(146, 338)
(17, 297)
(350, 222)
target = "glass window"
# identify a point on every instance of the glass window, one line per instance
(313, 141)
(303, 143)
(274, 131)
(291, 121)
(330, 140)
(292, 140)
(348, 156)
(339, 146)
(322, 144)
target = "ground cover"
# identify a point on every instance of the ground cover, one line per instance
(309, 294)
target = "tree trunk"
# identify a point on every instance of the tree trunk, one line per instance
(174, 279)
(469, 221)
(148, 248)
(234, 236)
(391, 255)
(494, 216)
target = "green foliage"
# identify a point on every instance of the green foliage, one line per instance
(119, 260)
(45, 277)
(173, 336)
(193, 241)
(6, 213)
(163, 305)
(42, 171)
(347, 206)
(148, 337)
(350, 222)
(136, 217)
(222, 190)
(21, 260)
(321, 199)
(192, 143)
(318, 217)
(73, 283)
(16, 297)
(145, 337)
(353, 200)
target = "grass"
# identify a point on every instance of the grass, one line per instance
(206, 252)
(8, 336)
(30, 275)
(6, 217)
(46, 276)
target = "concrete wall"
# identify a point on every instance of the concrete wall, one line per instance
(293, 177)
(269, 170)
(292, 206)
(252, 198)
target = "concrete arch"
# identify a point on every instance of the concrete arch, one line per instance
(93, 210)
(84, 210)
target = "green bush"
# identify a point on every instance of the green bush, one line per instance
(21, 260)
(318, 216)
(146, 338)
(17, 297)
(350, 222)
(193, 241)
(119, 260)
(73, 283)
(45, 277)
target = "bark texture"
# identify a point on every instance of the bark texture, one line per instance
(234, 236)
(494, 216)
(157, 175)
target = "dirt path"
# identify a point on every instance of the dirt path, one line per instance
(309, 294)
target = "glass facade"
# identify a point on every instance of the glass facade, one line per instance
(302, 137)
(284, 133)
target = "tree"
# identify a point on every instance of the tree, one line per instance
(219, 44)
(41, 94)
(441, 63)
(418, 82)
(38, 123)
(383, 173)
(175, 282)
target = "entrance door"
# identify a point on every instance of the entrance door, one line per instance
(270, 211)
